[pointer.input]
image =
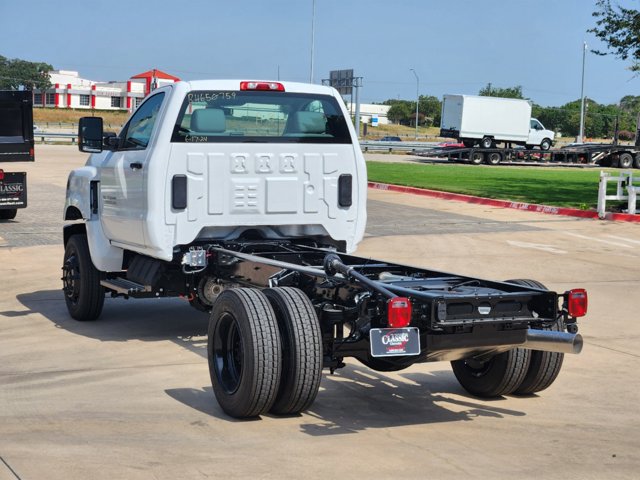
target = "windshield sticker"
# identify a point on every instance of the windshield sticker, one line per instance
(195, 97)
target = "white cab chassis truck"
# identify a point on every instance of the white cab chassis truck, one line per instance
(489, 120)
(247, 198)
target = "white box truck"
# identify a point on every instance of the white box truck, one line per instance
(489, 120)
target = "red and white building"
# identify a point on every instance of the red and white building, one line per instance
(71, 91)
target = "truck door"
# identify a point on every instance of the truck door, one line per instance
(123, 173)
(536, 133)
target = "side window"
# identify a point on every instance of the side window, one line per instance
(138, 132)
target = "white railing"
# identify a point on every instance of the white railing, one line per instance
(625, 190)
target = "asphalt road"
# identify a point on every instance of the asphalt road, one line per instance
(129, 396)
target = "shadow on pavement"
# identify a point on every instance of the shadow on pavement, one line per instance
(354, 399)
(121, 320)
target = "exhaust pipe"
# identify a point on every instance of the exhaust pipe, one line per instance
(552, 341)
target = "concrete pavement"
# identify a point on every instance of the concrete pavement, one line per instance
(129, 396)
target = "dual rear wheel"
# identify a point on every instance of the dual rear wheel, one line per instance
(518, 371)
(264, 351)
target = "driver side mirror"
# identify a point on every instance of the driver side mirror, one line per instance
(90, 134)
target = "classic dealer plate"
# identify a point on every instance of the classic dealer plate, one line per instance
(390, 342)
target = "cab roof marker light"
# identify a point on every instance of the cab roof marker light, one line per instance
(263, 86)
(577, 302)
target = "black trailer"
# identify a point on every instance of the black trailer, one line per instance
(601, 154)
(16, 145)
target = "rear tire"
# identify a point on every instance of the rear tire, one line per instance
(244, 352)
(486, 142)
(8, 214)
(477, 158)
(494, 158)
(83, 293)
(500, 375)
(636, 160)
(301, 350)
(626, 160)
(544, 367)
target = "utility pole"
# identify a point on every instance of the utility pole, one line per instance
(313, 28)
(417, 98)
(581, 132)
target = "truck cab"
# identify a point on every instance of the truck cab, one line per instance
(220, 159)
(538, 135)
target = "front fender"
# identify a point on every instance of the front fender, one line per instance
(77, 203)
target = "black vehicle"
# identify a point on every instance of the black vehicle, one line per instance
(390, 139)
(16, 145)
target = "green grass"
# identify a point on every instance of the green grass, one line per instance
(561, 187)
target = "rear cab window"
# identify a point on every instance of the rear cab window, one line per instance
(209, 116)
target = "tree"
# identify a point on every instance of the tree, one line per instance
(430, 110)
(16, 74)
(509, 92)
(401, 111)
(619, 29)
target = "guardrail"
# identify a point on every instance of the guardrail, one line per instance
(374, 145)
(43, 136)
(366, 145)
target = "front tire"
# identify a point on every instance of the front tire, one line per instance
(301, 350)
(544, 367)
(545, 144)
(244, 352)
(497, 376)
(83, 293)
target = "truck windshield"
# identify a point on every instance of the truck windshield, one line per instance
(260, 117)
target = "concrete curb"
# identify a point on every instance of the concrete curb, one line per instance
(570, 212)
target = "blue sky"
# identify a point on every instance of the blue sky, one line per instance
(457, 46)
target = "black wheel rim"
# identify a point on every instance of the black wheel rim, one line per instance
(478, 369)
(71, 278)
(228, 353)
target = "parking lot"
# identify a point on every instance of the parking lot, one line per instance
(129, 396)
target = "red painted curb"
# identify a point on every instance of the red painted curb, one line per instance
(530, 207)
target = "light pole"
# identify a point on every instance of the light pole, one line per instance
(417, 98)
(313, 26)
(581, 132)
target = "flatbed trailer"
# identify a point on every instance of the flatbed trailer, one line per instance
(604, 155)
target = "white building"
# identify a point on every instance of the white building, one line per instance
(369, 111)
(71, 91)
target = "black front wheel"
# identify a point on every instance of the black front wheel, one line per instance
(545, 144)
(244, 352)
(83, 293)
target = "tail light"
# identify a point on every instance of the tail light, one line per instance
(577, 302)
(268, 86)
(1, 174)
(399, 312)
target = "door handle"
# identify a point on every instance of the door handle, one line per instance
(135, 166)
